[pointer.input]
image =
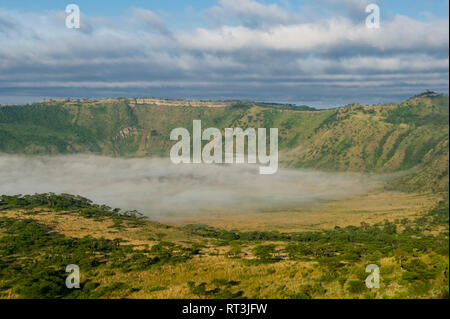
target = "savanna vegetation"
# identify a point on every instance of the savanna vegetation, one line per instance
(121, 254)
(214, 263)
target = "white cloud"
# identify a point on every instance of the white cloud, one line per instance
(402, 33)
(353, 9)
(149, 18)
(351, 4)
(156, 187)
(252, 12)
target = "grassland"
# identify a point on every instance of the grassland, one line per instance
(124, 256)
(371, 208)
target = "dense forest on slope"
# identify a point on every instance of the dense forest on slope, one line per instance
(411, 136)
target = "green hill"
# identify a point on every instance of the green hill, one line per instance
(410, 137)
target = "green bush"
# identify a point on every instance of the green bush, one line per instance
(356, 286)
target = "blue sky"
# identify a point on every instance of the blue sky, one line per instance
(178, 8)
(315, 52)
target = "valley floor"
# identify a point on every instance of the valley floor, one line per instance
(370, 208)
(123, 256)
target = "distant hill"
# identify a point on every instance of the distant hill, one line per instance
(410, 137)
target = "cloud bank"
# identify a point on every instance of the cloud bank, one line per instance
(252, 50)
(158, 188)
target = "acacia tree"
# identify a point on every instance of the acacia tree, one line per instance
(264, 252)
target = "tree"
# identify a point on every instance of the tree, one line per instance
(264, 252)
(235, 249)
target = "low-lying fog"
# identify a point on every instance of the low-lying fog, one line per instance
(156, 187)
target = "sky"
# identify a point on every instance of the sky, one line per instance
(314, 52)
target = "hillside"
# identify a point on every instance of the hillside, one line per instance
(410, 137)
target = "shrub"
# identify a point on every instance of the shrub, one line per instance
(356, 286)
